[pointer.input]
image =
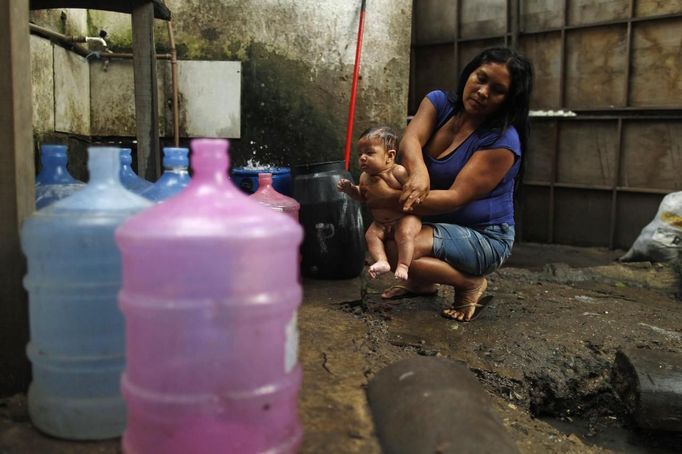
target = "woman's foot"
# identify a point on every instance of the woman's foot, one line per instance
(466, 302)
(378, 269)
(401, 272)
(409, 289)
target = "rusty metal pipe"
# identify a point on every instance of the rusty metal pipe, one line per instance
(68, 42)
(174, 85)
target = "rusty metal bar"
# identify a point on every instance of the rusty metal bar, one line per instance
(614, 191)
(557, 131)
(563, 28)
(457, 39)
(675, 115)
(515, 18)
(553, 181)
(619, 149)
(628, 54)
(507, 17)
(628, 189)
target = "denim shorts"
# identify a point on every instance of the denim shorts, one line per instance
(473, 250)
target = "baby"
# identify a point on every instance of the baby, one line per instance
(377, 147)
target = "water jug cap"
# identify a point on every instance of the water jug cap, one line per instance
(53, 153)
(174, 157)
(104, 165)
(209, 157)
(126, 156)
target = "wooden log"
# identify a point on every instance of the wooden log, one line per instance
(146, 95)
(433, 405)
(161, 11)
(17, 196)
(650, 384)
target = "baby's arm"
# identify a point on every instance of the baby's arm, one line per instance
(400, 174)
(353, 190)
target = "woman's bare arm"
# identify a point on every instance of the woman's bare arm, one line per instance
(480, 175)
(416, 135)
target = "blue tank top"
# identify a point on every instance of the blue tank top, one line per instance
(496, 207)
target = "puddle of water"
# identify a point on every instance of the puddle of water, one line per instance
(619, 439)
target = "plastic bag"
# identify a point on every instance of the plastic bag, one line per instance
(661, 239)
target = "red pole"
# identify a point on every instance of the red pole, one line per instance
(353, 92)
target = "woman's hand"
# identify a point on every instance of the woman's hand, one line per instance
(415, 190)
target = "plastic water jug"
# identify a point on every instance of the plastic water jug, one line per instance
(334, 244)
(268, 196)
(246, 178)
(210, 295)
(54, 182)
(175, 176)
(129, 178)
(74, 275)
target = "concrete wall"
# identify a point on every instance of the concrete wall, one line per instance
(297, 64)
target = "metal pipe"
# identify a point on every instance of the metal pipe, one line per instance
(70, 42)
(63, 40)
(174, 85)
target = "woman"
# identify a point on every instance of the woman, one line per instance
(464, 154)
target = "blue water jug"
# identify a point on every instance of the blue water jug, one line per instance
(77, 336)
(54, 182)
(175, 176)
(129, 178)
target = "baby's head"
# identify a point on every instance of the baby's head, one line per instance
(377, 147)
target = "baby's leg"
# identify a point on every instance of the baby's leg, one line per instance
(406, 230)
(375, 244)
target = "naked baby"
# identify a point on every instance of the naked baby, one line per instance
(378, 148)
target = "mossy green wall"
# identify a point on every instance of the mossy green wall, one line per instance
(297, 62)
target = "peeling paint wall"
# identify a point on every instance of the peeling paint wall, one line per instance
(297, 65)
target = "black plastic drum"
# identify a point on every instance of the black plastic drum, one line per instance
(334, 244)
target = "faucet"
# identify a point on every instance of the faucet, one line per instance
(96, 39)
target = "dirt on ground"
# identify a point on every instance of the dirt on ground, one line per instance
(543, 350)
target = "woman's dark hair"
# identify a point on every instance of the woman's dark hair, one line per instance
(515, 109)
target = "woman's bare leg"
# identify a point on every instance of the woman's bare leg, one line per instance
(426, 270)
(468, 288)
(375, 245)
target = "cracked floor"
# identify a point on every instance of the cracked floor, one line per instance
(543, 351)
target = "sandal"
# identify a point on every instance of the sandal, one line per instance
(468, 298)
(452, 312)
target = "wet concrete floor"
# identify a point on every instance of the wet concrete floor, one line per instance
(543, 350)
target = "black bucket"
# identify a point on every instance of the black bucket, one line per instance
(334, 245)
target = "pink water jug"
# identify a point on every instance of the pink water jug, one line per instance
(210, 293)
(268, 196)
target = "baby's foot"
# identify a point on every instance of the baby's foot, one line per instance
(378, 269)
(401, 272)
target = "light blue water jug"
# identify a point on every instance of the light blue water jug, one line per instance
(77, 336)
(175, 176)
(129, 178)
(54, 182)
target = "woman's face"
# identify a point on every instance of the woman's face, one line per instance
(486, 89)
